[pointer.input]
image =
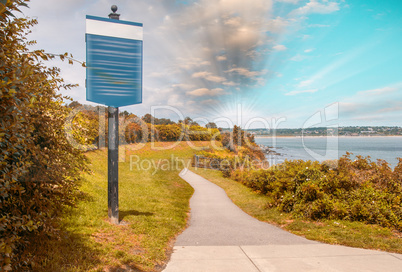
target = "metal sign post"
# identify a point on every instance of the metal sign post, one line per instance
(113, 165)
(114, 78)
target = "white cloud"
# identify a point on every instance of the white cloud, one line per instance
(288, 1)
(245, 72)
(203, 42)
(209, 76)
(221, 58)
(230, 83)
(175, 100)
(305, 83)
(157, 75)
(380, 91)
(298, 57)
(277, 25)
(385, 102)
(206, 92)
(279, 47)
(317, 6)
(309, 50)
(233, 22)
(183, 86)
(209, 102)
(206, 46)
(393, 108)
(318, 25)
(278, 74)
(191, 63)
(300, 92)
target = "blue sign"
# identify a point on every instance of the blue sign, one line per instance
(114, 61)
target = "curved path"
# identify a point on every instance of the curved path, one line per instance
(216, 221)
(221, 237)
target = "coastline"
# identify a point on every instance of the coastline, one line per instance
(387, 148)
(340, 136)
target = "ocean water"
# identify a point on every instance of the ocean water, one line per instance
(328, 148)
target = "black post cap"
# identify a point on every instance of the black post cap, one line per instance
(114, 15)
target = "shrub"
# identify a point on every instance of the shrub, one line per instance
(85, 126)
(133, 133)
(358, 190)
(198, 133)
(169, 133)
(39, 168)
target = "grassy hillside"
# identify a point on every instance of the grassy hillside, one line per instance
(154, 206)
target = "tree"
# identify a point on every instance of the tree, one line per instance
(188, 121)
(237, 135)
(164, 121)
(124, 114)
(39, 169)
(211, 125)
(75, 104)
(148, 118)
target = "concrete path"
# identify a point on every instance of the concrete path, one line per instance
(221, 237)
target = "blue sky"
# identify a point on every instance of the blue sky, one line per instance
(254, 63)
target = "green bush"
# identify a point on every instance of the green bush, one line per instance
(198, 133)
(169, 133)
(358, 190)
(39, 168)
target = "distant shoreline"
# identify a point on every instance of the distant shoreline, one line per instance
(318, 136)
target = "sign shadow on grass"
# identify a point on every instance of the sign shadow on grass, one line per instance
(123, 213)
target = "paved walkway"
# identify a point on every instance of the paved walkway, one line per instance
(221, 237)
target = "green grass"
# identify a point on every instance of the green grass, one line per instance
(153, 209)
(355, 234)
